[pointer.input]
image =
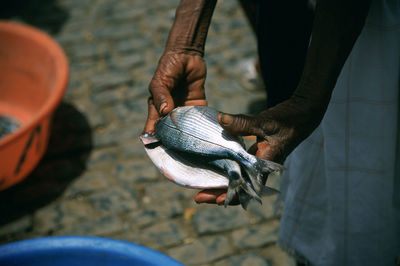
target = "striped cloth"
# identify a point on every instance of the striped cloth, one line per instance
(341, 192)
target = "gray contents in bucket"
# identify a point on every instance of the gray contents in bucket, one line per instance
(8, 125)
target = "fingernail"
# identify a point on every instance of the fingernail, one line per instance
(226, 119)
(162, 107)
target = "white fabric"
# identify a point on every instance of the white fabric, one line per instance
(340, 190)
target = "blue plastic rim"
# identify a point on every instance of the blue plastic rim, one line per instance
(80, 250)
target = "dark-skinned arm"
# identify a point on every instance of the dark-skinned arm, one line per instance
(181, 72)
(282, 128)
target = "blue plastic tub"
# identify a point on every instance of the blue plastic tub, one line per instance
(80, 250)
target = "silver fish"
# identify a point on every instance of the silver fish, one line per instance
(192, 138)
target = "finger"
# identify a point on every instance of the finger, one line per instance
(196, 102)
(265, 151)
(152, 116)
(208, 195)
(221, 200)
(162, 98)
(241, 125)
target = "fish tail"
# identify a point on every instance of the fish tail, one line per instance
(263, 168)
(235, 180)
(255, 178)
(258, 170)
(239, 184)
(244, 198)
(267, 167)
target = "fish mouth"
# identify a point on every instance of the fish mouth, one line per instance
(149, 140)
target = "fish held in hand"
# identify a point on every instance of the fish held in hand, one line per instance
(193, 137)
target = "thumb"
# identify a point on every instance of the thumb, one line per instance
(241, 125)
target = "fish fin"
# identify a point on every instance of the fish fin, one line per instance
(244, 198)
(258, 171)
(268, 166)
(255, 178)
(266, 191)
(248, 188)
(148, 138)
(234, 182)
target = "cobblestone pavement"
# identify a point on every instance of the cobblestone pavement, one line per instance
(95, 178)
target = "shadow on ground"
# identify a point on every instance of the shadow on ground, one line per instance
(65, 159)
(44, 14)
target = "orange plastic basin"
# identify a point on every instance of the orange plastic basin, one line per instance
(33, 79)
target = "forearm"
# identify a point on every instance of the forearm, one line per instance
(337, 26)
(189, 31)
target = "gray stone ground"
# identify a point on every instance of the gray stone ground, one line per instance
(95, 178)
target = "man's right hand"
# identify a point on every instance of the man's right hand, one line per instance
(178, 80)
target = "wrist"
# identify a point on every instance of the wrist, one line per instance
(190, 28)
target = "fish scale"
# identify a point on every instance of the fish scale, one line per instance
(210, 131)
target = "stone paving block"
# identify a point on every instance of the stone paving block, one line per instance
(203, 250)
(229, 87)
(61, 214)
(127, 13)
(130, 131)
(127, 235)
(101, 158)
(244, 260)
(107, 97)
(136, 171)
(127, 61)
(116, 31)
(94, 227)
(133, 148)
(153, 213)
(256, 236)
(166, 190)
(71, 37)
(95, 49)
(96, 118)
(138, 92)
(103, 137)
(115, 134)
(109, 79)
(144, 74)
(19, 226)
(75, 88)
(263, 212)
(218, 218)
(163, 234)
(82, 68)
(88, 183)
(114, 200)
(277, 257)
(132, 110)
(132, 45)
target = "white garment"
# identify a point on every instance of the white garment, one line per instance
(340, 191)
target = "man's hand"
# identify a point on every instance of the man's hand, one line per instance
(179, 80)
(278, 130)
(181, 71)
